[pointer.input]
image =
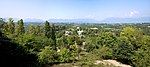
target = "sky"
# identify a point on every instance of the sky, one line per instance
(74, 9)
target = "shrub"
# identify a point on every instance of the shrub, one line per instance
(89, 47)
(64, 55)
(47, 55)
(103, 53)
(14, 55)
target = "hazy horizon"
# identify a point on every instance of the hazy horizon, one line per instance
(74, 9)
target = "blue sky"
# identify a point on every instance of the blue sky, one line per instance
(74, 9)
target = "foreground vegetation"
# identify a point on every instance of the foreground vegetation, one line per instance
(36, 45)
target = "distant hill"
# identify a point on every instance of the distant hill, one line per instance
(33, 20)
(74, 20)
(126, 20)
(26, 20)
(107, 20)
(56, 20)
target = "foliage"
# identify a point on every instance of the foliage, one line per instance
(128, 43)
(141, 57)
(2, 22)
(74, 50)
(65, 55)
(106, 39)
(89, 47)
(31, 30)
(47, 55)
(53, 37)
(13, 54)
(37, 29)
(9, 27)
(124, 51)
(47, 30)
(103, 53)
(20, 27)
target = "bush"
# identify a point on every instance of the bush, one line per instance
(133, 48)
(103, 53)
(64, 55)
(123, 51)
(106, 39)
(141, 57)
(47, 55)
(14, 55)
(89, 47)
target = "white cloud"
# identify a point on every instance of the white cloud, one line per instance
(133, 13)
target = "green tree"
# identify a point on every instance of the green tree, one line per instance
(78, 40)
(141, 57)
(129, 42)
(89, 47)
(47, 55)
(13, 54)
(2, 22)
(60, 42)
(74, 52)
(5, 29)
(106, 39)
(65, 55)
(47, 30)
(37, 29)
(31, 29)
(71, 40)
(53, 36)
(133, 35)
(11, 26)
(20, 27)
(102, 53)
(123, 50)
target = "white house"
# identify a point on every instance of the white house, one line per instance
(80, 33)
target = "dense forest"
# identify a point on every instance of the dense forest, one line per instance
(73, 44)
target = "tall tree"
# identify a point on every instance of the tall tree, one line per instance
(31, 29)
(37, 29)
(1, 22)
(133, 35)
(11, 26)
(53, 36)
(128, 45)
(5, 29)
(20, 27)
(47, 29)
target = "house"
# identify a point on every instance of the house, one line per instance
(80, 33)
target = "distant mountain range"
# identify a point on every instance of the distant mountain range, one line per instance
(126, 20)
(26, 20)
(107, 20)
(33, 20)
(74, 20)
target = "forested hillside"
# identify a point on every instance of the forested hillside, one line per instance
(71, 44)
